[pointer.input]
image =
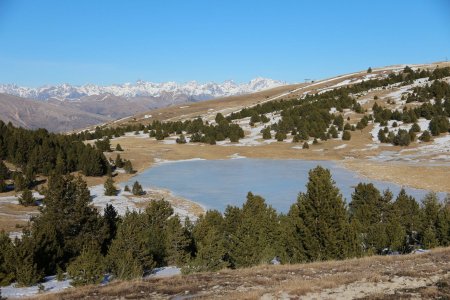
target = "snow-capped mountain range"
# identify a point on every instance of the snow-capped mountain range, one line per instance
(193, 90)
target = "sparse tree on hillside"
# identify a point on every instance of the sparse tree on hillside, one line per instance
(88, 267)
(137, 189)
(27, 199)
(110, 188)
(369, 70)
(119, 148)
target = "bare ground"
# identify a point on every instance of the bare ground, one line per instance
(414, 276)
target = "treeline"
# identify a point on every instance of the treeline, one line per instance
(40, 152)
(69, 235)
(310, 116)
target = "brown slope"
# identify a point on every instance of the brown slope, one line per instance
(34, 114)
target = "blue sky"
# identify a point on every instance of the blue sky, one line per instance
(104, 42)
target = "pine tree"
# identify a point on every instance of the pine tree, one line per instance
(128, 167)
(158, 214)
(118, 161)
(130, 255)
(321, 221)
(88, 267)
(66, 224)
(110, 188)
(346, 136)
(137, 189)
(425, 137)
(257, 237)
(3, 186)
(181, 139)
(119, 148)
(6, 263)
(305, 145)
(27, 199)
(4, 171)
(368, 213)
(111, 219)
(177, 242)
(369, 70)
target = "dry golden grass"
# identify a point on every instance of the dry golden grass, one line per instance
(394, 274)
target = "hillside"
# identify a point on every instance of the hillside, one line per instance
(32, 114)
(65, 107)
(414, 276)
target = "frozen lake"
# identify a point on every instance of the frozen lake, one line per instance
(218, 183)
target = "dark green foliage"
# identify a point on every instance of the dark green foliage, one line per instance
(137, 189)
(128, 167)
(256, 238)
(320, 221)
(24, 262)
(346, 135)
(126, 188)
(4, 171)
(3, 186)
(103, 145)
(6, 259)
(425, 137)
(87, 268)
(280, 136)
(438, 125)
(369, 212)
(181, 139)
(369, 70)
(110, 188)
(129, 254)
(305, 145)
(27, 199)
(119, 161)
(266, 133)
(415, 127)
(402, 138)
(119, 148)
(67, 223)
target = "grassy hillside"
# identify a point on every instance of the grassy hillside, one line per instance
(379, 277)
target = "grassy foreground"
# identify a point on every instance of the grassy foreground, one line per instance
(420, 276)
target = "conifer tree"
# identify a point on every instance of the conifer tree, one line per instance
(88, 267)
(4, 171)
(119, 162)
(368, 212)
(3, 186)
(6, 256)
(130, 253)
(158, 213)
(177, 242)
(346, 135)
(321, 221)
(27, 199)
(110, 188)
(66, 224)
(119, 148)
(128, 167)
(257, 236)
(137, 189)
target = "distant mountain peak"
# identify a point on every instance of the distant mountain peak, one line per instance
(141, 88)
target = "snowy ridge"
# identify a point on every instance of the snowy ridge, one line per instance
(193, 89)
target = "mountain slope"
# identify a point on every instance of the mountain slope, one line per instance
(32, 114)
(192, 90)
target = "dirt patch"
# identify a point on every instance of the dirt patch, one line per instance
(368, 277)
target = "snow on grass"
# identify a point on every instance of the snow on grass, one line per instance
(166, 161)
(340, 146)
(165, 272)
(51, 285)
(236, 156)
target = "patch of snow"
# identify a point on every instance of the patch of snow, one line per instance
(236, 156)
(165, 272)
(51, 285)
(340, 146)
